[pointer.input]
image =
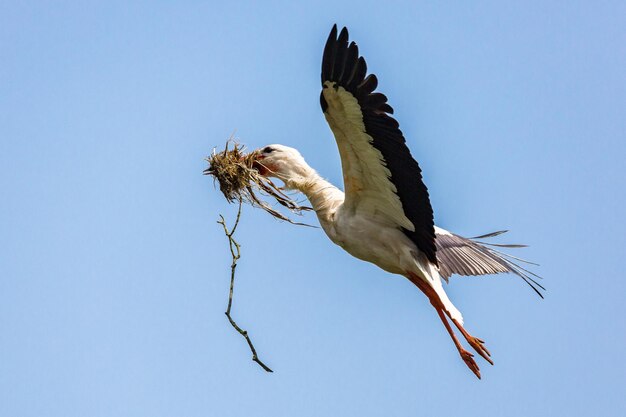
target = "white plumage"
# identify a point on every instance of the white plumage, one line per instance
(385, 216)
(364, 228)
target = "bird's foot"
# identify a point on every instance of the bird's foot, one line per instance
(479, 347)
(468, 358)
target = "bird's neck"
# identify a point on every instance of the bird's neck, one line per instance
(323, 196)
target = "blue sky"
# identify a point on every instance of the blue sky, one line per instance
(114, 274)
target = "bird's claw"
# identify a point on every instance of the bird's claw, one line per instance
(479, 346)
(468, 358)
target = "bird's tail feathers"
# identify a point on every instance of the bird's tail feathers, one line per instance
(511, 262)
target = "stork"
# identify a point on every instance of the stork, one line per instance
(384, 216)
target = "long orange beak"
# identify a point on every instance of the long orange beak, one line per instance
(259, 165)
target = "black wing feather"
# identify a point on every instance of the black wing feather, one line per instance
(342, 64)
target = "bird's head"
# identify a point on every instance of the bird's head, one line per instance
(282, 162)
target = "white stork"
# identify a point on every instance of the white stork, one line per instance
(384, 216)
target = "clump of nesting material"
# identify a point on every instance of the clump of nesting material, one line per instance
(234, 171)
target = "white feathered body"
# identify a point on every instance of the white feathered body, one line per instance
(385, 216)
(368, 236)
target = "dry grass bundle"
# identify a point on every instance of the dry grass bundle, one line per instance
(233, 169)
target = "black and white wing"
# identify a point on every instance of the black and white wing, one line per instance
(470, 256)
(380, 176)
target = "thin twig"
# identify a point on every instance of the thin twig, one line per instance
(235, 251)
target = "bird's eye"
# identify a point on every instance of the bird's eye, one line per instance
(267, 149)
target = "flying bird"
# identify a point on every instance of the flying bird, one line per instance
(384, 216)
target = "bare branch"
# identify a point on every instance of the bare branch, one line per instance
(235, 251)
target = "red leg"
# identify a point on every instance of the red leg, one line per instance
(467, 357)
(476, 343)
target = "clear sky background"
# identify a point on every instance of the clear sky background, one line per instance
(114, 274)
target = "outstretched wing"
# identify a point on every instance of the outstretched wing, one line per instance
(469, 256)
(380, 176)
